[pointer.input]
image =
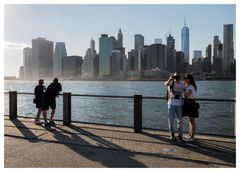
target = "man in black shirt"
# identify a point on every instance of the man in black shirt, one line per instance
(49, 99)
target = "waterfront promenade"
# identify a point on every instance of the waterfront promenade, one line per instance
(88, 145)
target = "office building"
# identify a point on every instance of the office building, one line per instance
(120, 39)
(21, 72)
(138, 41)
(27, 63)
(88, 63)
(228, 49)
(59, 54)
(157, 41)
(185, 42)
(170, 41)
(42, 58)
(92, 45)
(209, 52)
(106, 45)
(72, 67)
(115, 63)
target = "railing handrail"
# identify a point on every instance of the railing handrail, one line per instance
(144, 97)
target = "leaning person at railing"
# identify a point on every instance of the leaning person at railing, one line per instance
(38, 92)
(175, 91)
(49, 99)
(190, 107)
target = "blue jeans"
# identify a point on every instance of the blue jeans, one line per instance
(172, 111)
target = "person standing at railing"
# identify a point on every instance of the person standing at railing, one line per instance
(175, 91)
(190, 108)
(49, 99)
(38, 92)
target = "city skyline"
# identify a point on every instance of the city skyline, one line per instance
(78, 44)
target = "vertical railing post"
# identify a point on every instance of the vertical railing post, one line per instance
(67, 108)
(12, 105)
(137, 113)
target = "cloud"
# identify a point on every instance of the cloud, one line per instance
(15, 46)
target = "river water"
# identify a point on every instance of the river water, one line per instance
(215, 117)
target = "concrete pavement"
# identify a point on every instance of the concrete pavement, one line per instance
(87, 145)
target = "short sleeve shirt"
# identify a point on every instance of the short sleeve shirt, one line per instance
(193, 91)
(175, 94)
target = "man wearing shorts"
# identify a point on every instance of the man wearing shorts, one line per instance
(49, 99)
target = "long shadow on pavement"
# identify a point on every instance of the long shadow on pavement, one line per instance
(107, 157)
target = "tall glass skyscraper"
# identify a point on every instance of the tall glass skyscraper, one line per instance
(185, 41)
(59, 54)
(106, 45)
(228, 51)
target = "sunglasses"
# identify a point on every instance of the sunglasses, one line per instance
(185, 78)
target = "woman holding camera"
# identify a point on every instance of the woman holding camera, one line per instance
(175, 91)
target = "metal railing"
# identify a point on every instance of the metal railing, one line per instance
(67, 118)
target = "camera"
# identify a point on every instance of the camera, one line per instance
(174, 77)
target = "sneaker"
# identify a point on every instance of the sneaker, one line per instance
(172, 137)
(51, 123)
(179, 139)
(189, 139)
(37, 122)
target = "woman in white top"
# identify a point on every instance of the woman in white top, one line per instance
(190, 110)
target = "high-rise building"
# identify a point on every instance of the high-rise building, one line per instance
(27, 63)
(72, 67)
(156, 57)
(42, 58)
(185, 42)
(157, 41)
(138, 41)
(21, 72)
(228, 50)
(115, 63)
(120, 39)
(92, 45)
(170, 41)
(106, 45)
(197, 54)
(216, 41)
(88, 63)
(59, 54)
(209, 51)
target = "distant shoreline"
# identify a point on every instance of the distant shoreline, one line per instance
(145, 80)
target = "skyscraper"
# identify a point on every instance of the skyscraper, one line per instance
(106, 45)
(27, 63)
(170, 41)
(215, 46)
(228, 51)
(88, 63)
(59, 54)
(138, 41)
(120, 39)
(92, 45)
(185, 41)
(42, 58)
(157, 41)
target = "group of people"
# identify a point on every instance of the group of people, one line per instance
(179, 107)
(45, 98)
(176, 91)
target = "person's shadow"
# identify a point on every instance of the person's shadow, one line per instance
(204, 147)
(104, 151)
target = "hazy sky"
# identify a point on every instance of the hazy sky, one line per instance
(77, 24)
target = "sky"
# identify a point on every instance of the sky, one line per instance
(76, 24)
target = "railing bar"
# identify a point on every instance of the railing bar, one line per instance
(129, 97)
